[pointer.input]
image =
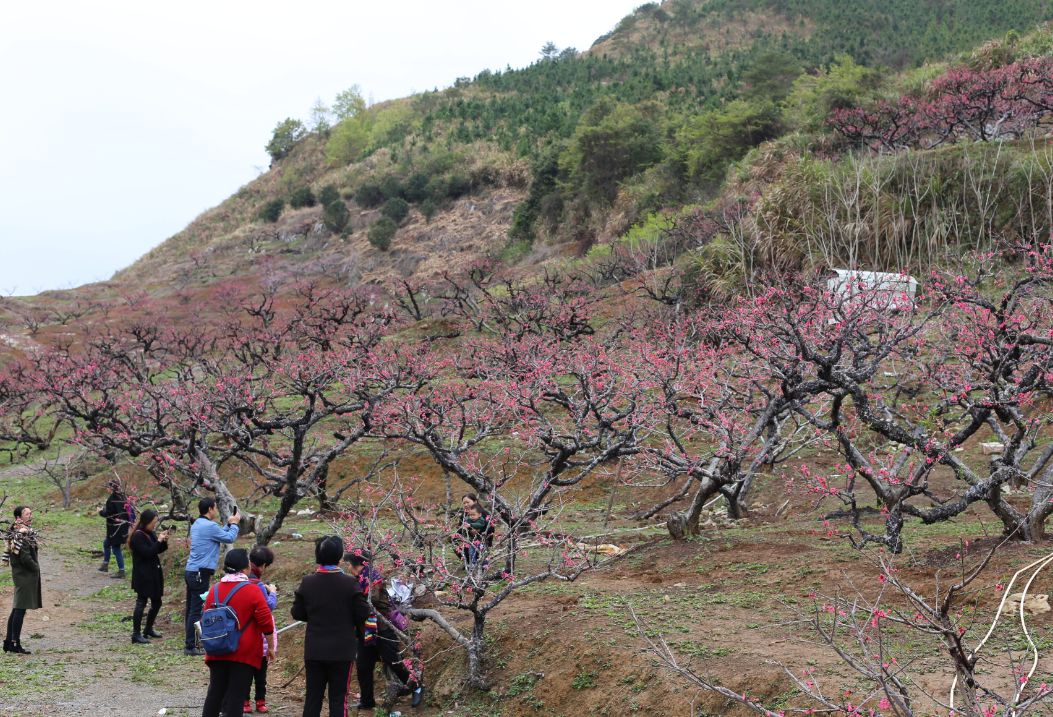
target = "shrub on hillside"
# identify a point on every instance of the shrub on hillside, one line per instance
(302, 197)
(328, 195)
(429, 207)
(370, 194)
(272, 210)
(336, 216)
(381, 233)
(416, 187)
(395, 209)
(457, 185)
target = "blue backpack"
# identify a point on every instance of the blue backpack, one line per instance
(220, 629)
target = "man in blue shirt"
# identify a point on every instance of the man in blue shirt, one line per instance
(205, 539)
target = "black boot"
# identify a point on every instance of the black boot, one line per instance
(139, 639)
(151, 632)
(17, 648)
(9, 646)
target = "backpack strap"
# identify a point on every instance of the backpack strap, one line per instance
(226, 600)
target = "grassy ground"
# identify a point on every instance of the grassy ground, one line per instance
(729, 602)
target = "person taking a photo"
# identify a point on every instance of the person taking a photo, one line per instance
(147, 576)
(206, 537)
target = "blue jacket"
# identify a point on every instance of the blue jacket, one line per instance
(205, 538)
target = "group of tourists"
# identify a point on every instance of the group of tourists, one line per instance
(352, 623)
(344, 603)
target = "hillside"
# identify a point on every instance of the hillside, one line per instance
(582, 145)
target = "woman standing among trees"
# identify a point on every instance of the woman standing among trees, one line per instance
(118, 517)
(25, 572)
(335, 610)
(231, 672)
(147, 576)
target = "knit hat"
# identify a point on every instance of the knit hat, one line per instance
(329, 550)
(236, 560)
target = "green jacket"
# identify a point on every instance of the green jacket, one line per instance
(25, 571)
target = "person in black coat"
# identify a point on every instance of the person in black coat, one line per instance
(335, 610)
(147, 578)
(117, 523)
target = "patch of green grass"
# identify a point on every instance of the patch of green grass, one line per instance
(150, 667)
(23, 677)
(522, 683)
(751, 568)
(583, 680)
(109, 623)
(114, 593)
(698, 650)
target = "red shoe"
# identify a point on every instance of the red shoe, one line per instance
(246, 708)
(261, 707)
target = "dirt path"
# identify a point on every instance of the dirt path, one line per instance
(83, 662)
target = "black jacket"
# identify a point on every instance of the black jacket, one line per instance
(116, 514)
(147, 578)
(334, 608)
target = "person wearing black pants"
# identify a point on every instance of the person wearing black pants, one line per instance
(383, 646)
(335, 609)
(227, 683)
(230, 672)
(25, 574)
(336, 675)
(147, 577)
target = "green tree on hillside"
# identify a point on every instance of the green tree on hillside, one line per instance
(707, 143)
(349, 103)
(613, 141)
(770, 75)
(286, 134)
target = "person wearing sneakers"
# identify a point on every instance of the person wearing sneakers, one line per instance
(119, 516)
(147, 577)
(229, 674)
(25, 574)
(335, 609)
(260, 560)
(205, 538)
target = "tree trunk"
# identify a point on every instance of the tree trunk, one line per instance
(477, 655)
(684, 524)
(326, 503)
(289, 501)
(1034, 528)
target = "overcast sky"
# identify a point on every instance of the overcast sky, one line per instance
(123, 120)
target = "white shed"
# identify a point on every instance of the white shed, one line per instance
(896, 289)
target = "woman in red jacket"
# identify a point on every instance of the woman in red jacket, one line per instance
(229, 675)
